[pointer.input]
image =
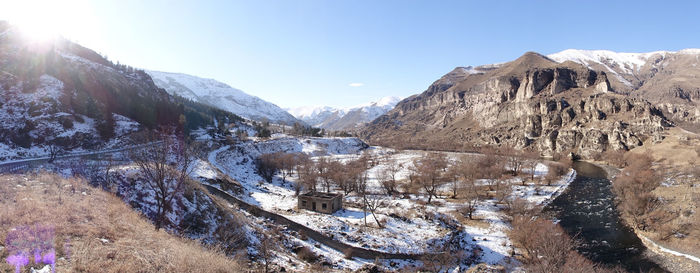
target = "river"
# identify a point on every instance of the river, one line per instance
(586, 210)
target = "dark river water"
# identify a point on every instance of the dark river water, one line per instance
(586, 210)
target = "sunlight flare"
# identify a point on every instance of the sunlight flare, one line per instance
(42, 20)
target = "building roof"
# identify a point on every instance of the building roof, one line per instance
(322, 195)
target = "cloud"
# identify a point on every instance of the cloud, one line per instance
(356, 84)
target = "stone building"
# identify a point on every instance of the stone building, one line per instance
(321, 202)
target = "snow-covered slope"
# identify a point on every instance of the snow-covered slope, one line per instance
(220, 95)
(630, 69)
(625, 62)
(344, 118)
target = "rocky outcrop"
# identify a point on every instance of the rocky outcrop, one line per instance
(530, 102)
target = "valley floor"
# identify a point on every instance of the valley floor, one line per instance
(409, 225)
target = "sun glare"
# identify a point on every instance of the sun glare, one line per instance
(43, 20)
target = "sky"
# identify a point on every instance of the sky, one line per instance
(341, 52)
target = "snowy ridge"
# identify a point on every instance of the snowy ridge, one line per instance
(628, 62)
(307, 112)
(344, 118)
(220, 95)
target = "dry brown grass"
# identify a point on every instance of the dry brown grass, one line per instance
(677, 157)
(82, 215)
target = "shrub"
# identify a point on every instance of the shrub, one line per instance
(306, 254)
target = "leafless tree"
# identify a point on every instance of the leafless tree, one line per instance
(441, 261)
(514, 158)
(503, 191)
(323, 170)
(469, 190)
(267, 166)
(452, 175)
(373, 202)
(54, 151)
(431, 169)
(387, 176)
(633, 188)
(308, 175)
(532, 159)
(490, 167)
(288, 164)
(554, 172)
(363, 191)
(268, 246)
(547, 248)
(165, 167)
(346, 177)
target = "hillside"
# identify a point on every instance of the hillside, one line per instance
(351, 118)
(58, 93)
(221, 96)
(89, 230)
(530, 102)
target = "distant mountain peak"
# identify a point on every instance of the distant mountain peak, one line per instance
(344, 118)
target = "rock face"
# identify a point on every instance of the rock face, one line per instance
(669, 79)
(530, 102)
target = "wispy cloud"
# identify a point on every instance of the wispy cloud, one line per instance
(356, 84)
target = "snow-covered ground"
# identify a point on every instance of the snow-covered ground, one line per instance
(409, 225)
(37, 114)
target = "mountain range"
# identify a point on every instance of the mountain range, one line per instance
(222, 96)
(349, 118)
(586, 102)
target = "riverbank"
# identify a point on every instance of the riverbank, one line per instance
(671, 260)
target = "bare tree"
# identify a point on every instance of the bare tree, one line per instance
(268, 246)
(308, 175)
(54, 151)
(431, 169)
(165, 167)
(373, 202)
(323, 167)
(554, 172)
(336, 173)
(452, 175)
(267, 166)
(490, 167)
(514, 158)
(288, 164)
(387, 176)
(547, 248)
(469, 189)
(346, 177)
(633, 188)
(503, 192)
(363, 191)
(441, 261)
(532, 159)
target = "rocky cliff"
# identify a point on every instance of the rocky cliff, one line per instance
(669, 79)
(530, 102)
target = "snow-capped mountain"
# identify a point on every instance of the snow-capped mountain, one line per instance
(669, 79)
(627, 68)
(344, 118)
(220, 95)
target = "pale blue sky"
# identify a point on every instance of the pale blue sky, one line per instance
(296, 53)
